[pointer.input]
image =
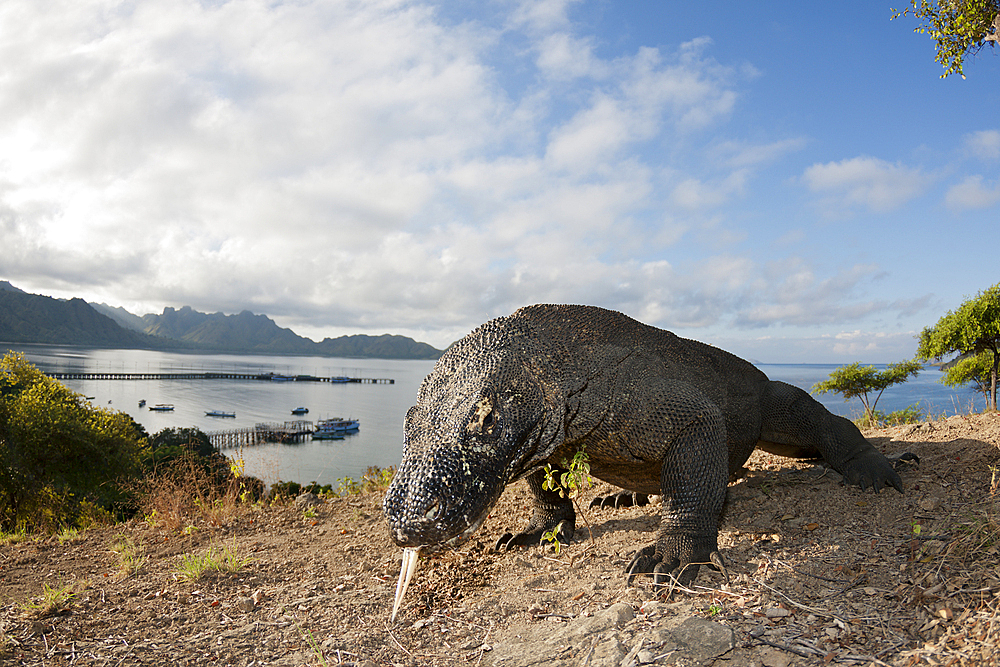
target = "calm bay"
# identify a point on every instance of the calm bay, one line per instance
(380, 407)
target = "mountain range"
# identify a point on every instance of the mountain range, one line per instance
(34, 318)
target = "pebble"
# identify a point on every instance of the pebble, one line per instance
(777, 612)
(645, 657)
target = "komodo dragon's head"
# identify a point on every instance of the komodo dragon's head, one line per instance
(479, 422)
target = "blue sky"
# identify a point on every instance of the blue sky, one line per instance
(793, 183)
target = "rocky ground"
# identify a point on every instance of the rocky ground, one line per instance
(820, 573)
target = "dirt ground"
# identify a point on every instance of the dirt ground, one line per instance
(820, 573)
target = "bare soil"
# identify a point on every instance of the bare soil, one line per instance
(820, 573)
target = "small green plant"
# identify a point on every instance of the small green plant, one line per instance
(314, 645)
(309, 512)
(15, 536)
(373, 479)
(217, 559)
(51, 602)
(714, 609)
(130, 556)
(69, 534)
(568, 484)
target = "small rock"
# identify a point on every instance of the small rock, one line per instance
(930, 503)
(645, 657)
(772, 657)
(700, 638)
(777, 612)
(651, 607)
(245, 605)
(308, 499)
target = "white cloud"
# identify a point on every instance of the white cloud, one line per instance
(694, 194)
(366, 165)
(866, 182)
(739, 155)
(563, 56)
(984, 144)
(541, 15)
(973, 193)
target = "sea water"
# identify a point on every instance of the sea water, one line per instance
(379, 407)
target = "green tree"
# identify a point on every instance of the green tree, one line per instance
(971, 369)
(972, 330)
(958, 27)
(859, 381)
(62, 461)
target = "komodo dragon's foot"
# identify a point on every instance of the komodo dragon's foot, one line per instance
(903, 460)
(676, 558)
(872, 469)
(623, 499)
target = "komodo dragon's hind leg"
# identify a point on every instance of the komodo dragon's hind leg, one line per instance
(794, 424)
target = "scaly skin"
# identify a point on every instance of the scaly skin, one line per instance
(658, 414)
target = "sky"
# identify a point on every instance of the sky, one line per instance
(792, 182)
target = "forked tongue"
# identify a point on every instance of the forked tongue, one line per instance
(405, 573)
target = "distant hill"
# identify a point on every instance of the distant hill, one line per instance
(123, 317)
(247, 332)
(7, 287)
(385, 346)
(32, 318)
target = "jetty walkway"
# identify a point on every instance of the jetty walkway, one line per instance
(213, 375)
(290, 431)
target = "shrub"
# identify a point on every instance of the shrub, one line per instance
(63, 462)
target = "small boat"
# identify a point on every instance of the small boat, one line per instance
(336, 426)
(142, 402)
(162, 407)
(300, 411)
(281, 378)
(219, 413)
(327, 435)
(340, 379)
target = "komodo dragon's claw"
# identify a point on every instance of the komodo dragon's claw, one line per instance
(871, 469)
(676, 562)
(534, 537)
(623, 499)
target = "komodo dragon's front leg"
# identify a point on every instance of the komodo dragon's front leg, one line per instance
(693, 484)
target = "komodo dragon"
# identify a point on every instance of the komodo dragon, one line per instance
(657, 414)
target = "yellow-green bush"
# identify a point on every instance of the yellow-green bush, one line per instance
(63, 462)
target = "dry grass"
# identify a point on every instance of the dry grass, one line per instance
(185, 494)
(958, 610)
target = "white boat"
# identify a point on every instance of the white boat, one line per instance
(162, 407)
(300, 411)
(219, 413)
(336, 426)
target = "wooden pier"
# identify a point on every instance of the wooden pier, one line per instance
(214, 375)
(290, 431)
